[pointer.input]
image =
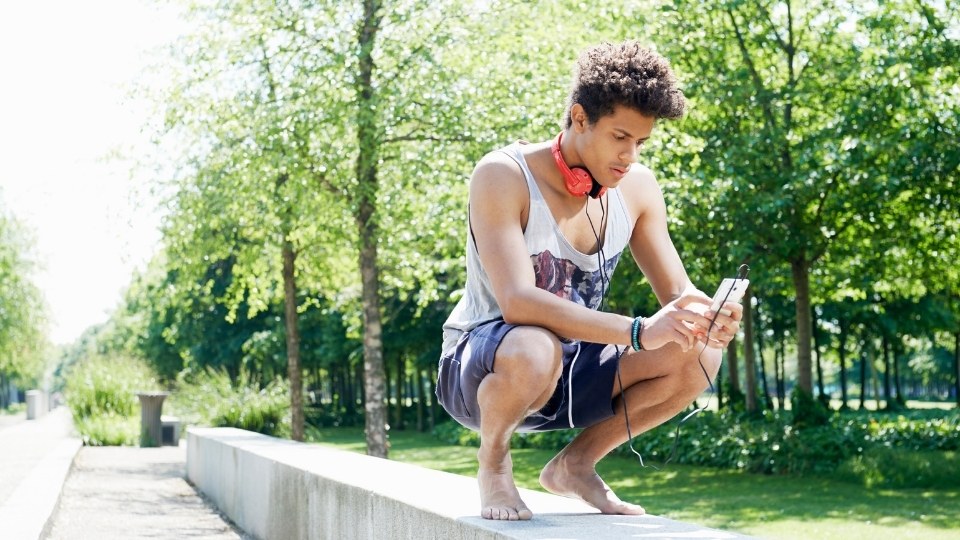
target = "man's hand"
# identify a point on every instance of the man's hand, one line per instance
(685, 321)
(724, 328)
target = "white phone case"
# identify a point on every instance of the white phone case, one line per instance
(730, 290)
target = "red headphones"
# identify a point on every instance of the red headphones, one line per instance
(578, 180)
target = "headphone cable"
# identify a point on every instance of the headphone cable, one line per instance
(602, 261)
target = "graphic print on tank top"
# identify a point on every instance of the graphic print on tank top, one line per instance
(565, 279)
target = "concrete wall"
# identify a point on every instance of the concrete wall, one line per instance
(278, 489)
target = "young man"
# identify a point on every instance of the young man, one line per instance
(526, 348)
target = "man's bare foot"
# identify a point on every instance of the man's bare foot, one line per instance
(499, 498)
(563, 477)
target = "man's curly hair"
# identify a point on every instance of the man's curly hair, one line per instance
(628, 74)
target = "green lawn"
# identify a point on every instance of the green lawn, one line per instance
(765, 506)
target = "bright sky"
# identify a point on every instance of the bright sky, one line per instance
(66, 68)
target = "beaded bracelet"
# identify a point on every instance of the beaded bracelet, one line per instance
(635, 333)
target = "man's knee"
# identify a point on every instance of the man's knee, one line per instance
(699, 366)
(694, 368)
(532, 356)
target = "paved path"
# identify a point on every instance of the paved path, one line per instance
(128, 492)
(35, 457)
(7, 420)
(51, 487)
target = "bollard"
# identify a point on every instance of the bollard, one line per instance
(151, 403)
(35, 404)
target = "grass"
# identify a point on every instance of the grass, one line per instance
(775, 507)
(13, 409)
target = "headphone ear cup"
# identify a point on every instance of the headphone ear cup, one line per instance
(579, 182)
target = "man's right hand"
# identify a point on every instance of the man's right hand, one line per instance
(681, 322)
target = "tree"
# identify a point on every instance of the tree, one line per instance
(22, 312)
(295, 116)
(794, 128)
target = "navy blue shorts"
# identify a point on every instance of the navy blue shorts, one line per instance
(581, 398)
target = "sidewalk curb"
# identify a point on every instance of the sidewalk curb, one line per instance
(30, 509)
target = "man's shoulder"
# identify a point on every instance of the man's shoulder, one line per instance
(498, 182)
(497, 169)
(641, 191)
(641, 175)
(639, 184)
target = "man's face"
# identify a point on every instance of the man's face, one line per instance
(610, 146)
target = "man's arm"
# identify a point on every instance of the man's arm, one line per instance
(650, 242)
(657, 258)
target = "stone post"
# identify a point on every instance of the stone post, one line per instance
(36, 406)
(151, 404)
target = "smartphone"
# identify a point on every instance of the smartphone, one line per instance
(730, 290)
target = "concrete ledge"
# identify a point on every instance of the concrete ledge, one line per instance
(275, 488)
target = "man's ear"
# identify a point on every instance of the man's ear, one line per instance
(579, 117)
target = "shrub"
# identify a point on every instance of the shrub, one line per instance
(885, 467)
(107, 385)
(874, 448)
(101, 393)
(14, 408)
(329, 416)
(807, 411)
(210, 398)
(109, 430)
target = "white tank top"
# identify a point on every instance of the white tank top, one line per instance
(558, 266)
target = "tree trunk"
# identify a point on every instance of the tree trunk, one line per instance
(886, 371)
(418, 378)
(294, 373)
(359, 389)
(897, 354)
(368, 138)
(781, 362)
(842, 350)
(387, 386)
(432, 417)
(768, 399)
(875, 380)
(749, 363)
(719, 387)
(956, 366)
(398, 410)
(801, 282)
(348, 397)
(4, 392)
(776, 376)
(863, 377)
(733, 367)
(335, 390)
(816, 352)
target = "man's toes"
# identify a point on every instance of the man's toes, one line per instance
(506, 514)
(637, 510)
(631, 509)
(493, 512)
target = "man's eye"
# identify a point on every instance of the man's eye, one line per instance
(619, 137)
